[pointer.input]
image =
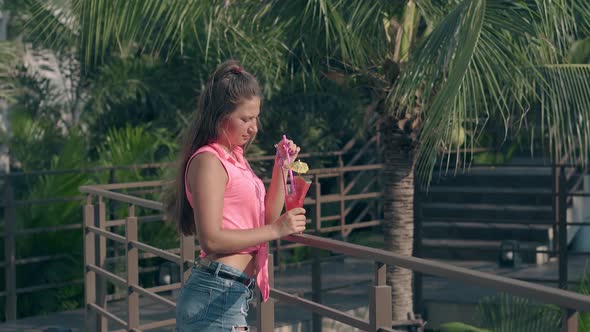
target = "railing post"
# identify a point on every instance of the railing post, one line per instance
(570, 321)
(101, 250)
(316, 265)
(562, 224)
(318, 204)
(570, 317)
(89, 259)
(554, 207)
(343, 233)
(132, 270)
(10, 249)
(266, 310)
(379, 300)
(187, 254)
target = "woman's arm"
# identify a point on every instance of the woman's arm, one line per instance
(275, 197)
(207, 181)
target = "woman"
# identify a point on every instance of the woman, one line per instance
(221, 201)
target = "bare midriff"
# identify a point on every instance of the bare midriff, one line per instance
(243, 262)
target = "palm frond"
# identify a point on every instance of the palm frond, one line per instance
(433, 12)
(444, 57)
(99, 27)
(565, 102)
(554, 24)
(154, 26)
(582, 12)
(168, 29)
(328, 26)
(244, 32)
(324, 33)
(51, 24)
(486, 60)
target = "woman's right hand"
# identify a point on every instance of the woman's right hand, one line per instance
(291, 222)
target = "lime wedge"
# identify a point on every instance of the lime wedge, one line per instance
(299, 167)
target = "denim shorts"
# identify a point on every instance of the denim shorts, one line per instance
(208, 302)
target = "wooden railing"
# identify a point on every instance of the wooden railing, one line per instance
(353, 152)
(96, 233)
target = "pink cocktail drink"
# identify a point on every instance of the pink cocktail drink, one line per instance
(295, 198)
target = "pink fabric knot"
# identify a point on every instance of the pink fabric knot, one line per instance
(262, 271)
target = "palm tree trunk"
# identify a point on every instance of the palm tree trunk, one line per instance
(398, 225)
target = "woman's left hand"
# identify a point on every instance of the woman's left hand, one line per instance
(290, 149)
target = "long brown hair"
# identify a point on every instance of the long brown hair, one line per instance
(228, 86)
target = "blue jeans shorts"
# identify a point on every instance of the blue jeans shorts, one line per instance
(210, 302)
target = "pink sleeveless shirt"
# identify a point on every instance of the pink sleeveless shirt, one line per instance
(243, 204)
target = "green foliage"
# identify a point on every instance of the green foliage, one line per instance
(66, 244)
(138, 90)
(509, 313)
(505, 313)
(319, 120)
(34, 136)
(8, 59)
(367, 237)
(304, 253)
(496, 157)
(460, 327)
(579, 52)
(130, 146)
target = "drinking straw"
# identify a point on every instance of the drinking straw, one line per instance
(286, 145)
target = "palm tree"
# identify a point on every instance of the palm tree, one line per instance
(478, 60)
(433, 69)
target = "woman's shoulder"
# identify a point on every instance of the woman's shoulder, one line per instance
(206, 154)
(208, 164)
(205, 160)
(206, 148)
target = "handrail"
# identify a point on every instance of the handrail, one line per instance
(106, 313)
(125, 193)
(109, 235)
(563, 298)
(109, 192)
(109, 275)
(99, 190)
(155, 251)
(152, 295)
(123, 198)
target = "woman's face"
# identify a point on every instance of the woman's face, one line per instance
(242, 124)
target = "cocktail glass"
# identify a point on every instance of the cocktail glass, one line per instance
(295, 194)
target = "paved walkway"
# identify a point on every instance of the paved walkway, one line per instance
(345, 284)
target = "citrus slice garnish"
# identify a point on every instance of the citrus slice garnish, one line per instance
(299, 167)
